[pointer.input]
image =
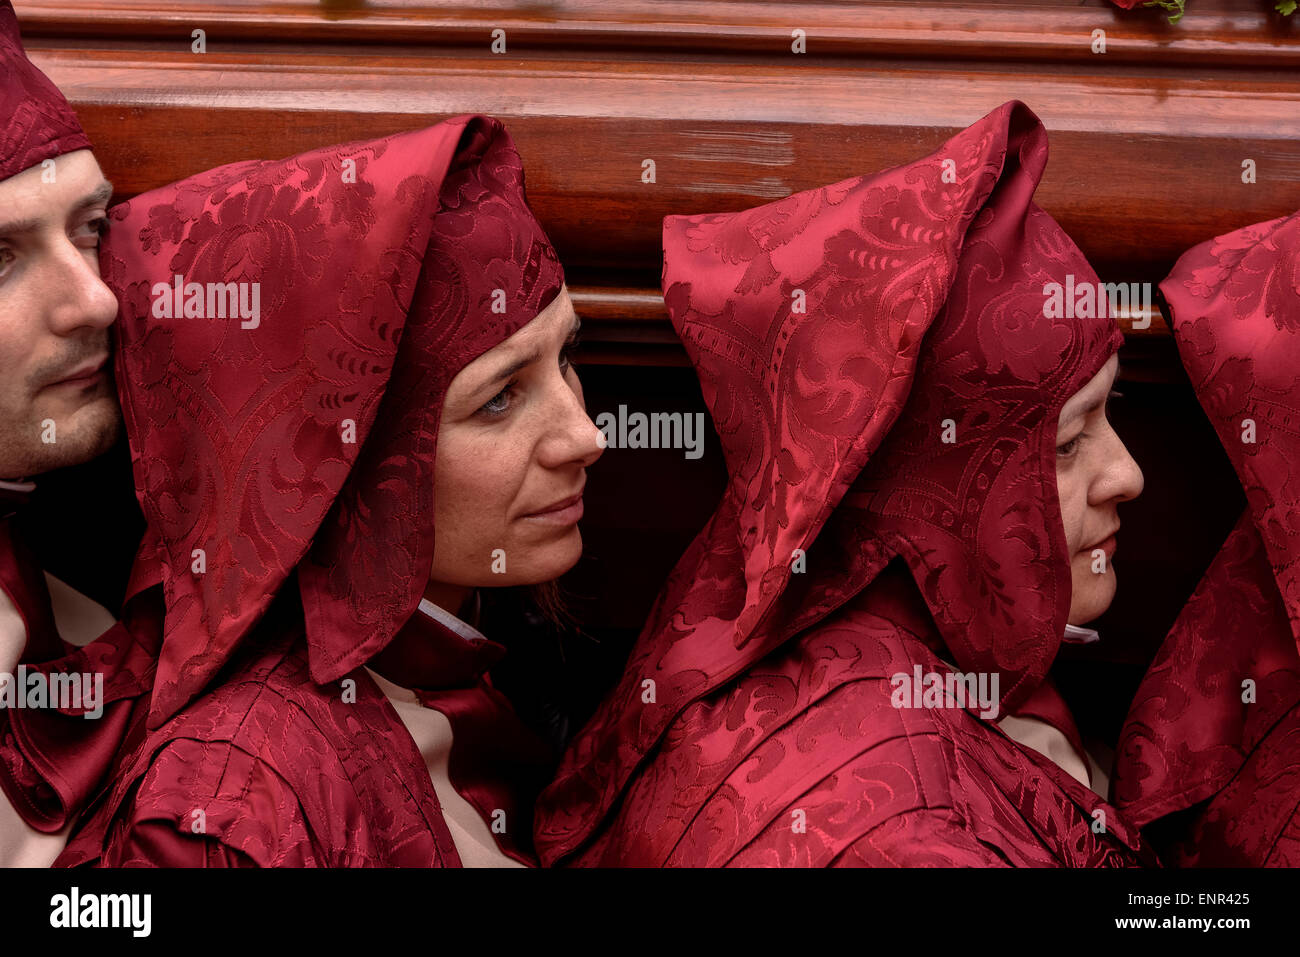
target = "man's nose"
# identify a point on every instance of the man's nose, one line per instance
(79, 297)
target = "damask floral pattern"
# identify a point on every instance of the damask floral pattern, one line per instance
(834, 332)
(1214, 730)
(264, 741)
(239, 433)
(39, 124)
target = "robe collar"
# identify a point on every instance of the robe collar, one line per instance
(435, 651)
(1076, 635)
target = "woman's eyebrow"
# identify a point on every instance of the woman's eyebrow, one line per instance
(1095, 405)
(509, 370)
(1069, 415)
(99, 195)
(515, 365)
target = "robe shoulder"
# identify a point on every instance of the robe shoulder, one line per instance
(924, 838)
(185, 815)
(260, 771)
(806, 759)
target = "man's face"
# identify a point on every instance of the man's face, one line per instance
(57, 402)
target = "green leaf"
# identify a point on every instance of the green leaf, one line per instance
(1175, 7)
(1286, 7)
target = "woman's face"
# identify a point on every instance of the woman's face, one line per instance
(513, 448)
(1094, 473)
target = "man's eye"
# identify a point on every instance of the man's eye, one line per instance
(94, 230)
(7, 258)
(566, 356)
(499, 404)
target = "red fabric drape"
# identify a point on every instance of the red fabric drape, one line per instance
(1211, 746)
(838, 334)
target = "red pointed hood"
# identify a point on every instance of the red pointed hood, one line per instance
(835, 333)
(295, 448)
(1236, 316)
(1235, 308)
(38, 122)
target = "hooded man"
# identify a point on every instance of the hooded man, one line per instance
(58, 408)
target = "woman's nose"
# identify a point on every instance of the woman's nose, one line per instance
(572, 436)
(1121, 476)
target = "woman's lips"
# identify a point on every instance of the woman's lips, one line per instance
(1107, 545)
(567, 512)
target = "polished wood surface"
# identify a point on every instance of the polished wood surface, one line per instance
(1217, 32)
(1148, 139)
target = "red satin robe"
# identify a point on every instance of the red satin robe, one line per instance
(53, 762)
(804, 761)
(273, 770)
(834, 332)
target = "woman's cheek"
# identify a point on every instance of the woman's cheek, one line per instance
(1064, 498)
(575, 383)
(491, 476)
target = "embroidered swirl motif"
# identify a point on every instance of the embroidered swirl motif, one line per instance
(1217, 716)
(38, 122)
(316, 548)
(833, 333)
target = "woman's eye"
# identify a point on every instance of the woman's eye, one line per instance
(1068, 448)
(499, 404)
(7, 257)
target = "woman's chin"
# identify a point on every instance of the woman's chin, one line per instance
(563, 555)
(1092, 597)
(541, 563)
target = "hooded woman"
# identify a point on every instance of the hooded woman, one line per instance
(346, 386)
(1209, 756)
(920, 472)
